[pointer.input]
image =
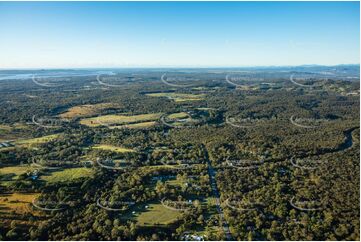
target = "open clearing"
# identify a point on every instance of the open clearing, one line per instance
(119, 119)
(86, 110)
(68, 174)
(18, 203)
(141, 125)
(36, 141)
(180, 115)
(30, 143)
(156, 214)
(112, 148)
(178, 97)
(11, 173)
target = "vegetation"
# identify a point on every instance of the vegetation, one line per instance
(118, 119)
(178, 97)
(112, 148)
(146, 161)
(67, 175)
(155, 215)
(86, 110)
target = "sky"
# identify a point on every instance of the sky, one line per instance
(178, 34)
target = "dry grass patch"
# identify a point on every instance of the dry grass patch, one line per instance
(36, 141)
(178, 97)
(112, 148)
(68, 174)
(141, 125)
(119, 119)
(86, 110)
(19, 203)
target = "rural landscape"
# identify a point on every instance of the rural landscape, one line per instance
(180, 121)
(180, 154)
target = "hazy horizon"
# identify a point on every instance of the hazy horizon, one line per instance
(178, 67)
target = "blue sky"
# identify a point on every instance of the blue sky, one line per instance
(150, 34)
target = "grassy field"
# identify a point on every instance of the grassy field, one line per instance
(86, 110)
(156, 214)
(178, 119)
(36, 141)
(141, 125)
(174, 182)
(178, 97)
(18, 140)
(119, 119)
(14, 206)
(12, 172)
(180, 115)
(67, 174)
(112, 148)
(17, 202)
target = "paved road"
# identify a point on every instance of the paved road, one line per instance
(212, 178)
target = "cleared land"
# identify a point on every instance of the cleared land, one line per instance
(112, 148)
(68, 174)
(156, 214)
(18, 203)
(17, 141)
(178, 97)
(180, 115)
(86, 110)
(39, 140)
(11, 173)
(141, 125)
(178, 119)
(119, 119)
